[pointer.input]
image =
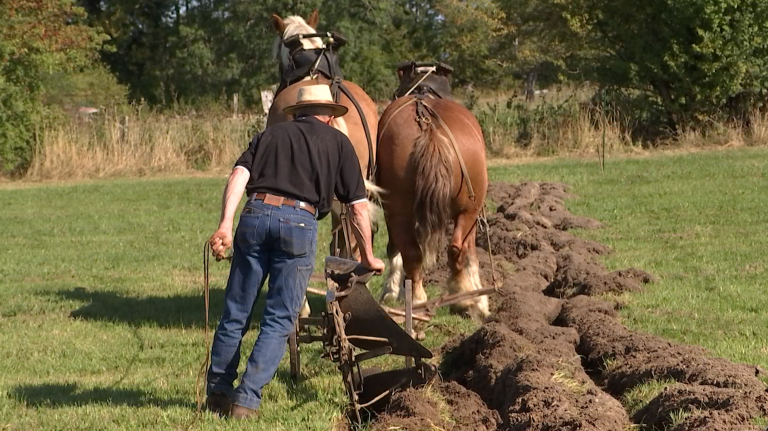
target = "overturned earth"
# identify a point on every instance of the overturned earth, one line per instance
(551, 357)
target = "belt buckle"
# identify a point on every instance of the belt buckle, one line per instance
(275, 201)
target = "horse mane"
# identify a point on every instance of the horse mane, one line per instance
(294, 25)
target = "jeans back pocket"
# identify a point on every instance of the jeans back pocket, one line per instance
(296, 236)
(248, 232)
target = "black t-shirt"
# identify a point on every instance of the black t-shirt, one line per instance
(304, 159)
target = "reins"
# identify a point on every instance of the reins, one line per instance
(429, 72)
(202, 375)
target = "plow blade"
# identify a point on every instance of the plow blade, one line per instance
(370, 322)
(367, 325)
(377, 387)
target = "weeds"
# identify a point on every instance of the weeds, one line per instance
(677, 417)
(565, 125)
(565, 378)
(637, 398)
(116, 144)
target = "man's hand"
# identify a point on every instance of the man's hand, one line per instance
(220, 242)
(374, 264)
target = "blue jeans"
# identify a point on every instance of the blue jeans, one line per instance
(279, 242)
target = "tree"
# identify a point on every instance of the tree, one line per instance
(536, 36)
(691, 56)
(37, 37)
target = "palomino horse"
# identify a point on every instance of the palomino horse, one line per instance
(423, 140)
(351, 124)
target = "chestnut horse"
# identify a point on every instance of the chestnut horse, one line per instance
(424, 188)
(351, 124)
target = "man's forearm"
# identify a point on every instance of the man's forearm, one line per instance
(361, 226)
(233, 192)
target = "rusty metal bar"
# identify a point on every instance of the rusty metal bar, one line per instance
(451, 299)
(408, 315)
(311, 321)
(373, 354)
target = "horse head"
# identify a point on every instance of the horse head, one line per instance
(292, 26)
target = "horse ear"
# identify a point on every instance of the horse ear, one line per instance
(314, 19)
(278, 24)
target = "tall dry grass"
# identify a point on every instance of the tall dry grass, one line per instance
(113, 144)
(139, 143)
(753, 133)
(569, 126)
(516, 130)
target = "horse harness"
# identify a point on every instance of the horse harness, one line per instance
(325, 63)
(433, 83)
(424, 115)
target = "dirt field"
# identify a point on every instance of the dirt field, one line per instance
(551, 357)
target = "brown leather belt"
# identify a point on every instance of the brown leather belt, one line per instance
(278, 201)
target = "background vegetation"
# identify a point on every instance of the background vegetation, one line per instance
(628, 73)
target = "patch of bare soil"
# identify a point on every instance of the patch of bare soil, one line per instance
(552, 358)
(446, 406)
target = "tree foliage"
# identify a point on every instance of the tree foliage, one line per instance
(692, 56)
(37, 37)
(688, 59)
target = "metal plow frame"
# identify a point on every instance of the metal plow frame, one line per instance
(354, 320)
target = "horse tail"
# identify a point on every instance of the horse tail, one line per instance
(432, 164)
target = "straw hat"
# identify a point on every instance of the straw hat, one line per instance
(315, 96)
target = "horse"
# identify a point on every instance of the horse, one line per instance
(431, 165)
(353, 124)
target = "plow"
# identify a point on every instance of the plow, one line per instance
(355, 328)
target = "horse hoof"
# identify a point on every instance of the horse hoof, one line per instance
(388, 297)
(468, 312)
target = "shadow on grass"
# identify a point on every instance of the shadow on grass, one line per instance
(300, 393)
(67, 394)
(181, 311)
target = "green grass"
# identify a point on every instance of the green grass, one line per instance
(100, 286)
(639, 397)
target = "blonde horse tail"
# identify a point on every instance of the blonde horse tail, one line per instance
(432, 161)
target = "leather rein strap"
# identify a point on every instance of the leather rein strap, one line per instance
(338, 87)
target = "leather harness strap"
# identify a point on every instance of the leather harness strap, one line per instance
(278, 201)
(338, 87)
(422, 105)
(455, 145)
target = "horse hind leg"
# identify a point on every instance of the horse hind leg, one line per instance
(393, 281)
(465, 269)
(305, 310)
(406, 261)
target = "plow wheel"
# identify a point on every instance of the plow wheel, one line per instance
(294, 355)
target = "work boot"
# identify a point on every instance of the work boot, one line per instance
(218, 403)
(239, 412)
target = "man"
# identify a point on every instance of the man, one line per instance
(290, 172)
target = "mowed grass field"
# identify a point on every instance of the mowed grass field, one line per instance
(101, 312)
